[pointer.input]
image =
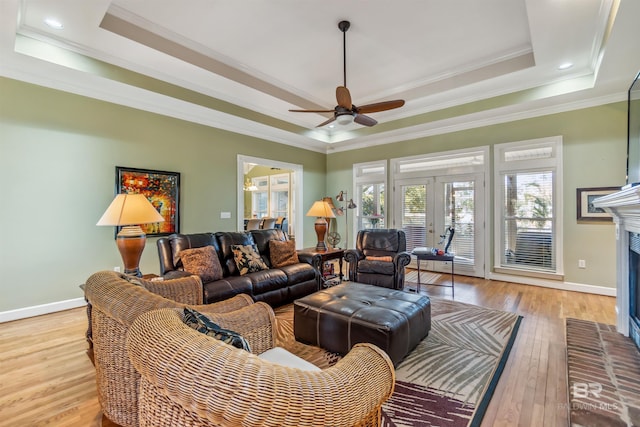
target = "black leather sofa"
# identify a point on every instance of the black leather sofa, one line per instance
(275, 286)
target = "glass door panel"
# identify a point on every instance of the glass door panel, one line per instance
(459, 201)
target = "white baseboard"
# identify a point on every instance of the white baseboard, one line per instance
(37, 310)
(554, 284)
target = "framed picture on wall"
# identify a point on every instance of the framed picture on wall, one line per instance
(162, 188)
(584, 199)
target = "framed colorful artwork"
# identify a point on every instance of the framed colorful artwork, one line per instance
(585, 197)
(162, 188)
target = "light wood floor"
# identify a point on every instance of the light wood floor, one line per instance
(47, 379)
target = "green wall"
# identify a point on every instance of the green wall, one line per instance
(58, 154)
(594, 155)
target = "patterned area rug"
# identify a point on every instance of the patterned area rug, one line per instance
(604, 376)
(426, 278)
(449, 378)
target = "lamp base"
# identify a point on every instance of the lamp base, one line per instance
(131, 241)
(321, 230)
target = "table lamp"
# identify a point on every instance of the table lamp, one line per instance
(129, 211)
(321, 210)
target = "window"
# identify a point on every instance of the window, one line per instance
(529, 220)
(279, 195)
(459, 213)
(370, 179)
(371, 198)
(270, 196)
(413, 211)
(260, 197)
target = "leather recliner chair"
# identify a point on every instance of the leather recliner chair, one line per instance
(379, 258)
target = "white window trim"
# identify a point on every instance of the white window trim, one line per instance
(554, 163)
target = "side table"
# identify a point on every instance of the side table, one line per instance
(320, 257)
(428, 256)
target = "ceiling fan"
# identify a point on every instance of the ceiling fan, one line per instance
(345, 110)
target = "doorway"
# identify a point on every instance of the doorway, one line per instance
(270, 188)
(435, 192)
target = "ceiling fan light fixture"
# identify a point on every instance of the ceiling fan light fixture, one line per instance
(345, 112)
(344, 119)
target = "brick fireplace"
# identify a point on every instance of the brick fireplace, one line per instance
(624, 205)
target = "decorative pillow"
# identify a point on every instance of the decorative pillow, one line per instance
(202, 261)
(283, 253)
(379, 258)
(247, 259)
(203, 324)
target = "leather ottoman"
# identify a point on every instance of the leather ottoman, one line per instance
(339, 317)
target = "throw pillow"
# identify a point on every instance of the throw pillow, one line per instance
(247, 259)
(202, 261)
(379, 258)
(283, 253)
(201, 323)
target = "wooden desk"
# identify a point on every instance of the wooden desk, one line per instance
(447, 257)
(322, 257)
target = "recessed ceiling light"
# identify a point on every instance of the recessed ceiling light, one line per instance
(565, 66)
(54, 23)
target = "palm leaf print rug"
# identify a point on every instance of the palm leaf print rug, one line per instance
(449, 378)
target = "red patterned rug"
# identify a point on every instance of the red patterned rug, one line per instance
(449, 378)
(604, 376)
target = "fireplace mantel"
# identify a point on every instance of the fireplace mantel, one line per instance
(624, 205)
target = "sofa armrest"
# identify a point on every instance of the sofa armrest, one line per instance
(315, 261)
(185, 290)
(237, 385)
(352, 257)
(401, 260)
(308, 258)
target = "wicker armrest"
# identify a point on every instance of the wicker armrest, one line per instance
(236, 302)
(192, 378)
(185, 290)
(256, 323)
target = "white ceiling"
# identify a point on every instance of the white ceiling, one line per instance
(455, 62)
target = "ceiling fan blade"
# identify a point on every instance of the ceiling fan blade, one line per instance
(380, 106)
(312, 111)
(344, 97)
(364, 120)
(326, 122)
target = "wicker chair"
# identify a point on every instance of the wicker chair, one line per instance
(115, 300)
(190, 379)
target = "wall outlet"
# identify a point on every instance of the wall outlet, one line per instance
(225, 215)
(116, 269)
(582, 263)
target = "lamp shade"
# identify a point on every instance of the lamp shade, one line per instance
(329, 200)
(321, 209)
(130, 209)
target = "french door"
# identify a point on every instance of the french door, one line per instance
(427, 207)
